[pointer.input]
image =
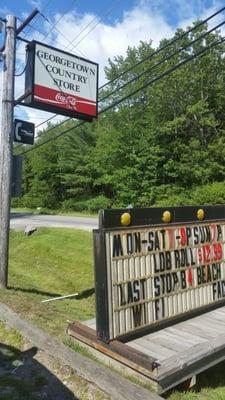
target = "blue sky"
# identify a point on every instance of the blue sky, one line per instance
(172, 10)
(99, 29)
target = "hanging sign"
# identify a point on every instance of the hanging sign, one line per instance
(23, 132)
(60, 82)
(149, 274)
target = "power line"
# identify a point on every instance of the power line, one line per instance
(150, 56)
(166, 45)
(56, 23)
(116, 103)
(170, 70)
(108, 11)
(162, 61)
(48, 2)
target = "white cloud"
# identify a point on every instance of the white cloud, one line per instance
(102, 42)
(35, 3)
(147, 21)
(111, 40)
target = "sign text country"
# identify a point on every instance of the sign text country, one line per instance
(61, 82)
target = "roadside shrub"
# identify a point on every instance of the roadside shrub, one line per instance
(16, 202)
(91, 205)
(98, 203)
(165, 196)
(73, 205)
(212, 193)
(30, 201)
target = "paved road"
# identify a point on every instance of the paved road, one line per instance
(20, 220)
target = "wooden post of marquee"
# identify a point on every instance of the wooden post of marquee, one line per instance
(6, 140)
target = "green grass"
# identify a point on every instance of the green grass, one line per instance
(51, 263)
(210, 386)
(54, 262)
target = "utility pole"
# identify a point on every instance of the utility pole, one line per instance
(8, 51)
(6, 142)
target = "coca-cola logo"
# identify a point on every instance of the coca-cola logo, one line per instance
(60, 97)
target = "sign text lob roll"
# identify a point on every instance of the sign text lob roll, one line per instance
(157, 273)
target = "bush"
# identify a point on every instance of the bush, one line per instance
(16, 202)
(73, 205)
(98, 203)
(165, 196)
(91, 205)
(213, 193)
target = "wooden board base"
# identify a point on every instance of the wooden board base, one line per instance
(167, 357)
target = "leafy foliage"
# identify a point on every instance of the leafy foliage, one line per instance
(163, 145)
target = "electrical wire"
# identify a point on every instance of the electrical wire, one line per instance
(162, 61)
(116, 103)
(156, 52)
(108, 11)
(56, 23)
(167, 45)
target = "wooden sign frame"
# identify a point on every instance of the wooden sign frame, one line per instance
(150, 273)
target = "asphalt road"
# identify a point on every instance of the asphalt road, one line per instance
(21, 220)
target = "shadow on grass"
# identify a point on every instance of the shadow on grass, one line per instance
(33, 291)
(85, 293)
(23, 377)
(212, 378)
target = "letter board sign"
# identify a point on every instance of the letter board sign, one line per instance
(60, 82)
(152, 273)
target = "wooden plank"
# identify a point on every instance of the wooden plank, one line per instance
(169, 341)
(218, 316)
(117, 350)
(195, 328)
(91, 323)
(111, 383)
(155, 350)
(187, 336)
(219, 309)
(213, 327)
(201, 358)
(198, 352)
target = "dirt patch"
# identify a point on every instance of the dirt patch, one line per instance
(29, 373)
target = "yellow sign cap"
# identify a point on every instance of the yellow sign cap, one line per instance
(125, 219)
(167, 216)
(200, 214)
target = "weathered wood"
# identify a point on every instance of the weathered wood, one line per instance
(6, 140)
(182, 368)
(169, 341)
(116, 350)
(186, 336)
(185, 349)
(197, 329)
(111, 383)
(145, 344)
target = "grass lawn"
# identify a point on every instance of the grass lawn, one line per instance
(51, 263)
(54, 262)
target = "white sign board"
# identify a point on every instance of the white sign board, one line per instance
(154, 274)
(62, 82)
